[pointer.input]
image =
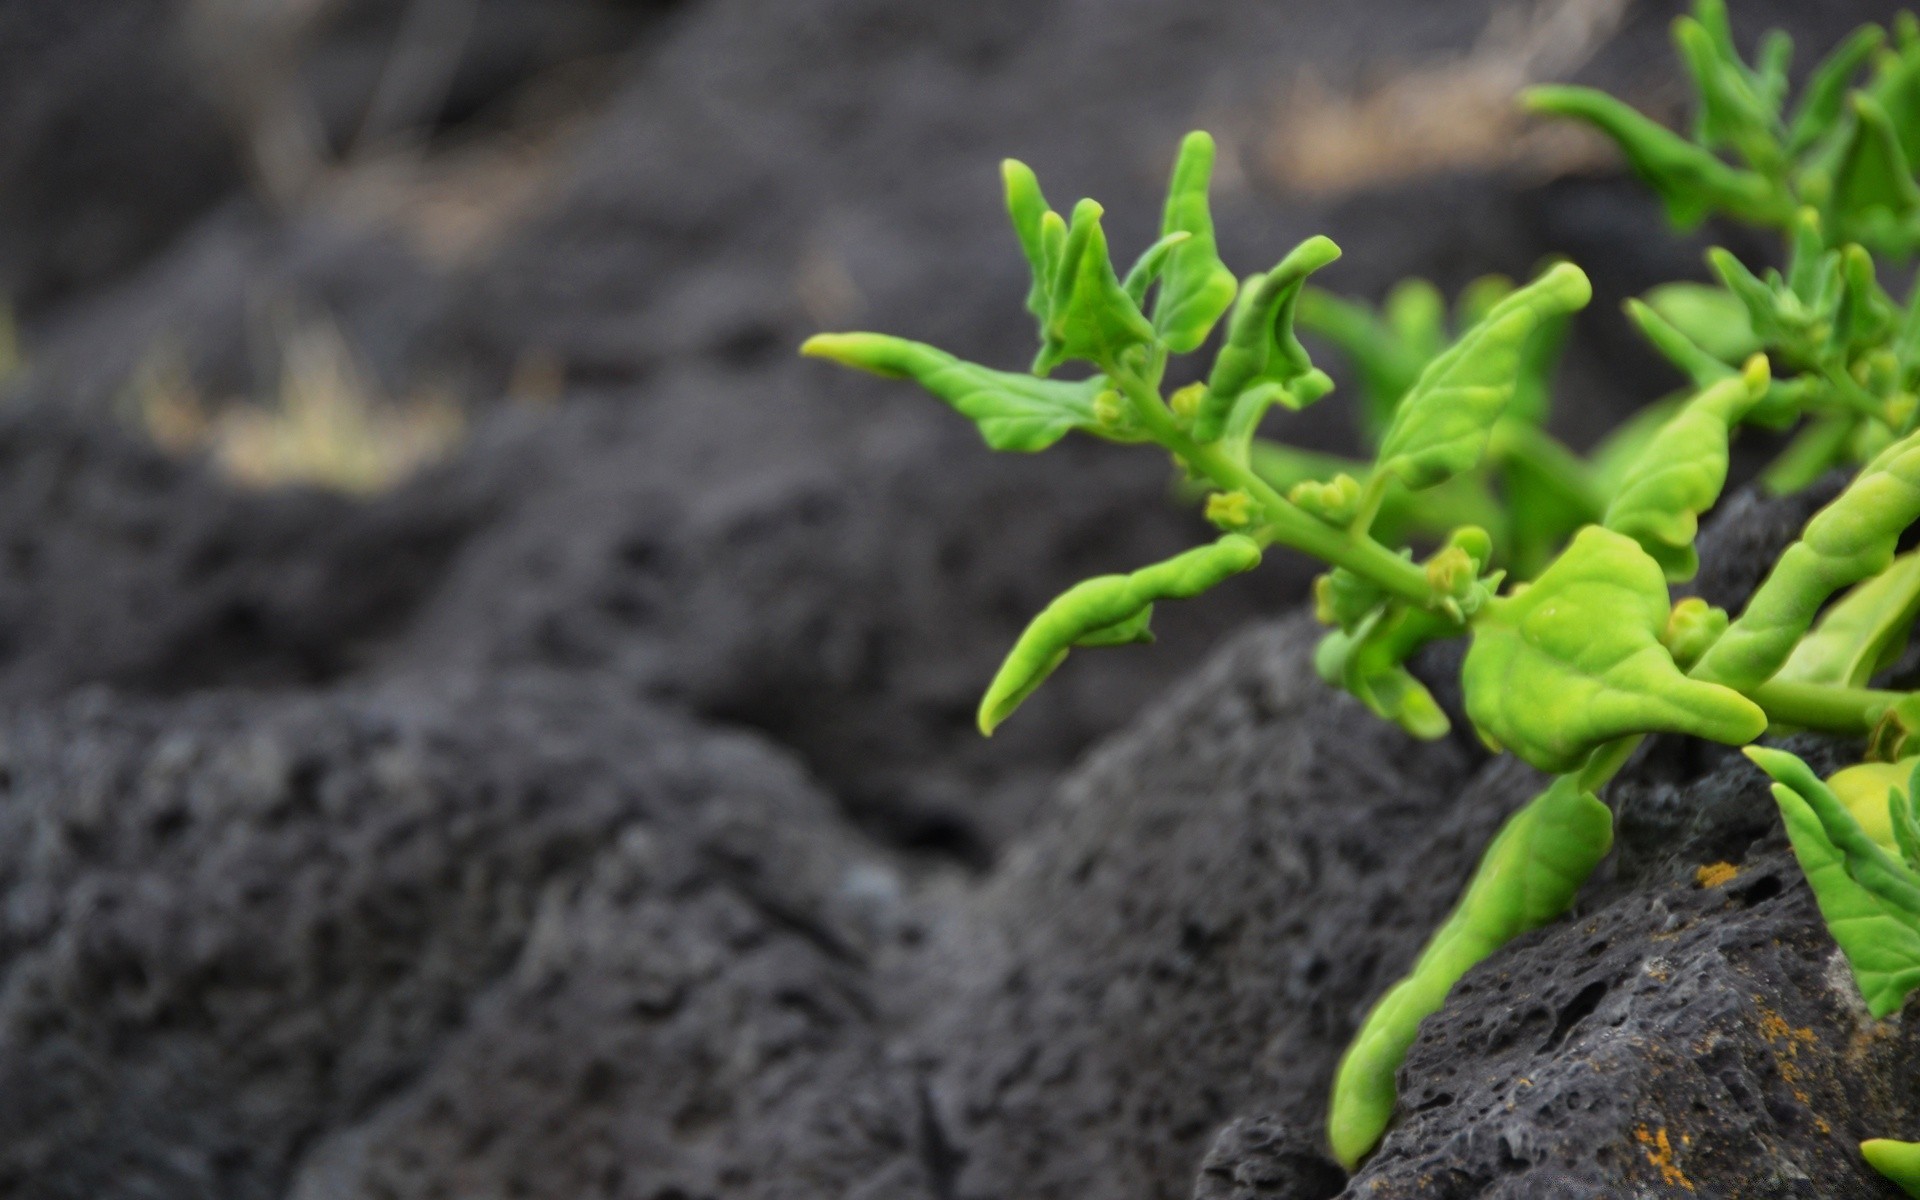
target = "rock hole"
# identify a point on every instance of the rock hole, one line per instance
(1576, 1010)
(1759, 891)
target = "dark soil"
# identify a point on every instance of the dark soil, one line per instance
(599, 813)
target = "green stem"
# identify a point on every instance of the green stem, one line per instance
(1285, 522)
(1847, 711)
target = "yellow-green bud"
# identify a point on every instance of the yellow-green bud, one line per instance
(1186, 402)
(1692, 627)
(1230, 510)
(1337, 501)
(1109, 409)
(1451, 572)
(1343, 598)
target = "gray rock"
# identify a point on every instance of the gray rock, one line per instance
(1256, 1157)
(237, 925)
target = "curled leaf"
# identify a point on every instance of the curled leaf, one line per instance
(1105, 611)
(1869, 899)
(1679, 474)
(1826, 91)
(1089, 314)
(1851, 539)
(1873, 184)
(1027, 208)
(1366, 662)
(1013, 411)
(1261, 347)
(1898, 1161)
(1530, 874)
(1689, 179)
(1575, 661)
(1195, 286)
(1709, 317)
(1863, 631)
(1441, 428)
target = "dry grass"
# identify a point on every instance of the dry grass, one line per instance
(1453, 114)
(326, 427)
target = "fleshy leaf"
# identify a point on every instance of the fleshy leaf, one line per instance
(1873, 173)
(1196, 287)
(1441, 428)
(1709, 318)
(1869, 899)
(1731, 112)
(1027, 208)
(1530, 874)
(1389, 350)
(1849, 540)
(1898, 1161)
(1367, 664)
(1863, 631)
(1261, 347)
(1107, 610)
(1148, 268)
(1575, 660)
(1089, 315)
(1013, 411)
(1825, 95)
(1701, 367)
(1689, 180)
(1867, 791)
(1679, 474)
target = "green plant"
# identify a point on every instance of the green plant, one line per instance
(1557, 568)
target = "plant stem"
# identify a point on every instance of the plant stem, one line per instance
(1285, 522)
(1828, 708)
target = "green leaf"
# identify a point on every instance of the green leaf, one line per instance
(1863, 632)
(1146, 269)
(1013, 411)
(1731, 113)
(1849, 540)
(1702, 367)
(1367, 664)
(1107, 610)
(1679, 474)
(1869, 899)
(1898, 1161)
(1027, 208)
(1574, 661)
(1196, 287)
(1873, 184)
(1709, 317)
(1530, 875)
(1689, 180)
(1090, 316)
(1826, 92)
(1441, 428)
(1384, 356)
(1261, 347)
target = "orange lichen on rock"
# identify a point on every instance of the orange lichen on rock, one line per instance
(1714, 874)
(1659, 1151)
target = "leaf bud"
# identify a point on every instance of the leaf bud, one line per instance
(1336, 501)
(1230, 510)
(1186, 402)
(1344, 599)
(1693, 626)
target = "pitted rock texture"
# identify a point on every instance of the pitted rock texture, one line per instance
(237, 923)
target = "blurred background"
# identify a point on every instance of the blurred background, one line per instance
(432, 362)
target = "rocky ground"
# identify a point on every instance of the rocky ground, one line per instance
(598, 813)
